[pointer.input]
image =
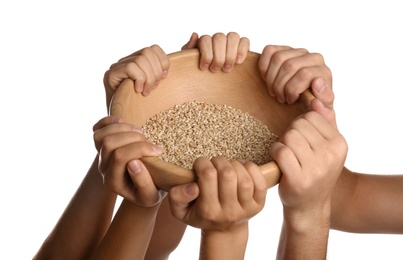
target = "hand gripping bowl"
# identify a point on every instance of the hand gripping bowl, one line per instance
(243, 88)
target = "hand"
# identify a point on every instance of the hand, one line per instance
(288, 72)
(228, 193)
(120, 146)
(146, 67)
(220, 51)
(311, 155)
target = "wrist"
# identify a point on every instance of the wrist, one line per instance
(308, 220)
(227, 244)
(304, 233)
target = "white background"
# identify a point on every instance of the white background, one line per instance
(53, 55)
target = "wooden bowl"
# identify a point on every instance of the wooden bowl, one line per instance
(243, 88)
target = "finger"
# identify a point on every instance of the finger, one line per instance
(108, 120)
(160, 67)
(243, 48)
(322, 90)
(207, 181)
(323, 119)
(130, 70)
(286, 160)
(180, 198)
(231, 51)
(259, 182)
(227, 182)
(264, 61)
(112, 129)
(192, 43)
(326, 112)
(282, 67)
(297, 72)
(145, 192)
(127, 58)
(111, 143)
(303, 79)
(219, 45)
(119, 150)
(154, 63)
(296, 140)
(205, 46)
(245, 185)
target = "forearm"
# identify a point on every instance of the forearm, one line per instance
(224, 245)
(84, 221)
(368, 203)
(167, 234)
(129, 233)
(304, 236)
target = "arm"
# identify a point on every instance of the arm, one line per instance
(225, 197)
(307, 178)
(311, 155)
(363, 203)
(129, 233)
(120, 146)
(84, 221)
(368, 203)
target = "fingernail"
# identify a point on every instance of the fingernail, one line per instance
(139, 89)
(242, 161)
(164, 74)
(137, 130)
(135, 166)
(190, 189)
(204, 67)
(146, 92)
(227, 67)
(157, 149)
(116, 120)
(239, 59)
(320, 85)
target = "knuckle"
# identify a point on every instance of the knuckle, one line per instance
(310, 116)
(148, 50)
(270, 49)
(245, 183)
(155, 48)
(227, 173)
(118, 156)
(108, 143)
(304, 74)
(303, 50)
(287, 66)
(97, 136)
(208, 173)
(318, 57)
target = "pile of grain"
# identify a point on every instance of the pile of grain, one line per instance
(198, 129)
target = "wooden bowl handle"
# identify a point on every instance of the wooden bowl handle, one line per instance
(271, 173)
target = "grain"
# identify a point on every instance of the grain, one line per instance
(199, 129)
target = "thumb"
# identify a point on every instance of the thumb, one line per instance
(328, 113)
(323, 91)
(180, 198)
(192, 43)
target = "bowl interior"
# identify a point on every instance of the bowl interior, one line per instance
(242, 88)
